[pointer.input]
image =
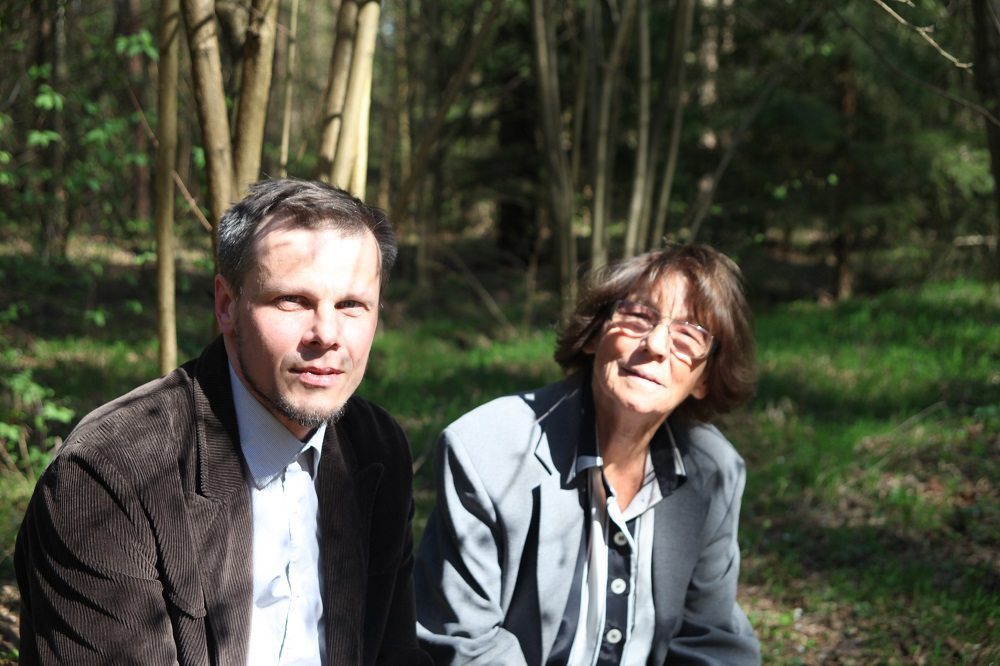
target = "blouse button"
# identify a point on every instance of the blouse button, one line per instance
(618, 586)
(613, 636)
(620, 539)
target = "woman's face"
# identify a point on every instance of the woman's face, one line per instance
(645, 378)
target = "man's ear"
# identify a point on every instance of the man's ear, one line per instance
(225, 305)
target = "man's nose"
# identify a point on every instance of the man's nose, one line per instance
(324, 329)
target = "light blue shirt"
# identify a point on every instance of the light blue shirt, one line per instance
(287, 617)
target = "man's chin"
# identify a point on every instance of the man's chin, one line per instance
(309, 416)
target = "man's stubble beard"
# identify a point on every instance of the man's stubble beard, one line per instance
(281, 404)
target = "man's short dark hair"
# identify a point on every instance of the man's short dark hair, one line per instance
(298, 204)
(716, 300)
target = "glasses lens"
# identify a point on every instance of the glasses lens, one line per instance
(690, 340)
(634, 318)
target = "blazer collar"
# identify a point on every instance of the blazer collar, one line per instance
(219, 463)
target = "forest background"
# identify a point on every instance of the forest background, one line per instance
(845, 153)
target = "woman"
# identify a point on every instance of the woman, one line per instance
(594, 521)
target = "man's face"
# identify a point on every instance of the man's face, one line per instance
(300, 332)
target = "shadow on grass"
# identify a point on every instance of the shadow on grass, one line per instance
(105, 302)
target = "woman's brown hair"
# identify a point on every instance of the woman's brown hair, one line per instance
(716, 300)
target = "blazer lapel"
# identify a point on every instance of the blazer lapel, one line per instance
(678, 519)
(346, 496)
(221, 524)
(560, 517)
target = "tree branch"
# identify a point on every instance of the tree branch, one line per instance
(925, 34)
(972, 106)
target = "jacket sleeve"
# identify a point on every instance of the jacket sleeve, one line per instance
(85, 561)
(398, 645)
(715, 629)
(390, 617)
(459, 578)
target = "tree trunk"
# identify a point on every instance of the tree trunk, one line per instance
(635, 235)
(356, 100)
(130, 24)
(336, 86)
(586, 76)
(557, 168)
(255, 91)
(605, 157)
(52, 212)
(683, 20)
(166, 157)
(404, 101)
(203, 41)
(431, 135)
(986, 34)
(286, 116)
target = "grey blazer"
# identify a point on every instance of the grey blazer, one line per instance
(495, 567)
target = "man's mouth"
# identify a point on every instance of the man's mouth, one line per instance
(316, 376)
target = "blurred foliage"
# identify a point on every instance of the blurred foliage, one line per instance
(852, 129)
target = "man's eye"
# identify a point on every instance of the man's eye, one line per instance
(351, 307)
(289, 302)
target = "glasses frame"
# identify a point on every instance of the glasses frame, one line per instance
(660, 318)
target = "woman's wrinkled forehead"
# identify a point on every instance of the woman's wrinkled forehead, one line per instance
(655, 285)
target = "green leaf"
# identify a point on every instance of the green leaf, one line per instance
(54, 412)
(42, 138)
(48, 99)
(98, 317)
(9, 432)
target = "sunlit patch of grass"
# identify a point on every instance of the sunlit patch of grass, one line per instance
(874, 461)
(15, 489)
(428, 379)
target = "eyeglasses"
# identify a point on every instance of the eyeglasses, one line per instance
(689, 341)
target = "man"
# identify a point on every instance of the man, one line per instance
(247, 507)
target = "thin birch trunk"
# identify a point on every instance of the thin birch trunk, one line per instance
(203, 41)
(255, 91)
(349, 143)
(286, 116)
(604, 162)
(166, 158)
(683, 21)
(635, 235)
(336, 87)
(557, 168)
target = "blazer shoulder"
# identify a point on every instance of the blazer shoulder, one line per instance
(512, 414)
(708, 455)
(159, 413)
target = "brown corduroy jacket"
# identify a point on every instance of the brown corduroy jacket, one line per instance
(136, 546)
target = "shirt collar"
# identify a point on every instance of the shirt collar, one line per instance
(668, 464)
(268, 447)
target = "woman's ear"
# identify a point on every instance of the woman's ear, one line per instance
(700, 389)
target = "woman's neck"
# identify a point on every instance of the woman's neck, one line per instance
(624, 445)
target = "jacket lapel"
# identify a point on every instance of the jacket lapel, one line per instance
(560, 517)
(221, 526)
(346, 496)
(678, 518)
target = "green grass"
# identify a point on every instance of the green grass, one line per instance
(871, 518)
